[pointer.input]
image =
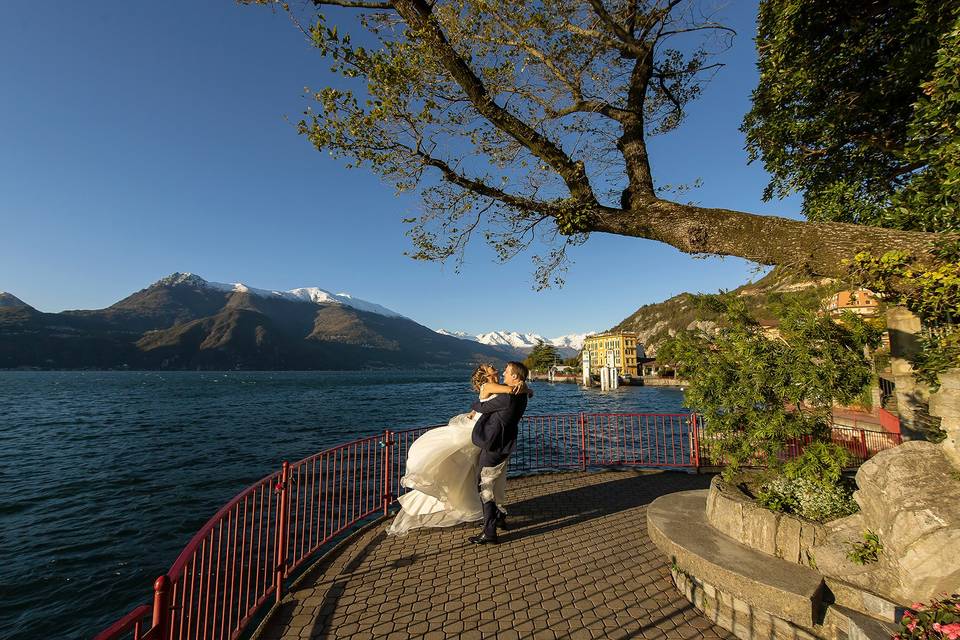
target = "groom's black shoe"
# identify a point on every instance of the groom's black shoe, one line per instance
(502, 521)
(484, 539)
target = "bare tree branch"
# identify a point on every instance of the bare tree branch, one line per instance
(418, 14)
(702, 27)
(355, 4)
(482, 188)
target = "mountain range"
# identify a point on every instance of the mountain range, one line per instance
(521, 343)
(185, 322)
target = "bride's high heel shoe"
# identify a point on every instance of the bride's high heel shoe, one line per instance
(502, 521)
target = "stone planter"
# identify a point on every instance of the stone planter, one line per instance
(782, 535)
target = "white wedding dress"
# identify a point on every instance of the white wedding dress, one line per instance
(442, 476)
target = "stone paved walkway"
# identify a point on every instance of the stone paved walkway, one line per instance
(576, 563)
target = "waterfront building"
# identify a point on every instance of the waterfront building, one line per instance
(561, 373)
(624, 347)
(650, 367)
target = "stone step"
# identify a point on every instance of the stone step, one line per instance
(854, 625)
(855, 598)
(678, 526)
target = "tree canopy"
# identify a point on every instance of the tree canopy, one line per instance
(542, 357)
(518, 119)
(858, 108)
(757, 392)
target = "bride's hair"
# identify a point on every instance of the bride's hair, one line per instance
(479, 376)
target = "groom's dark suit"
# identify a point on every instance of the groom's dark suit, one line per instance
(496, 435)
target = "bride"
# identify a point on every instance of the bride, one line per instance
(442, 470)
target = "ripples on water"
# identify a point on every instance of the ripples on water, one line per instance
(105, 476)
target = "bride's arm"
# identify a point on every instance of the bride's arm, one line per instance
(490, 388)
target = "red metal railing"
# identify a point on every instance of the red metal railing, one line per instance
(242, 556)
(578, 441)
(861, 444)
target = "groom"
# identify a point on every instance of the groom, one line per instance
(496, 435)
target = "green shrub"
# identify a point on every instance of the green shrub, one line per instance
(807, 498)
(867, 551)
(759, 393)
(820, 462)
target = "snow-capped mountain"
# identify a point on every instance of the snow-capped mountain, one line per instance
(314, 295)
(522, 341)
(463, 335)
(511, 339)
(185, 322)
(571, 341)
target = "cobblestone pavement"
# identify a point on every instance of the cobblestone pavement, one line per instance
(576, 563)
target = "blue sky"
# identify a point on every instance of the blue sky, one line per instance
(139, 139)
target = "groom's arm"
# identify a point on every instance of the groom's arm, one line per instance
(496, 403)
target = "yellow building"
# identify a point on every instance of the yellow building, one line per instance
(622, 345)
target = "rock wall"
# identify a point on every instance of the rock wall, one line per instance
(782, 535)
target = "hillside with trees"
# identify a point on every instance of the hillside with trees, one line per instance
(655, 323)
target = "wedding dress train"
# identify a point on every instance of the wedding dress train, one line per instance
(442, 476)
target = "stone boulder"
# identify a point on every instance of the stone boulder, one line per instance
(910, 497)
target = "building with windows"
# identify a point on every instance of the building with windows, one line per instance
(862, 302)
(624, 347)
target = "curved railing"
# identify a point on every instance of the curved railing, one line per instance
(241, 558)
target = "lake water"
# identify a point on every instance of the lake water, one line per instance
(105, 476)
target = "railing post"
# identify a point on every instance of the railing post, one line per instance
(695, 433)
(387, 480)
(583, 443)
(863, 444)
(283, 522)
(161, 607)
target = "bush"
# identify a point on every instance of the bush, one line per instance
(820, 462)
(807, 498)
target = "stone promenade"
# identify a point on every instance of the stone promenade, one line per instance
(576, 563)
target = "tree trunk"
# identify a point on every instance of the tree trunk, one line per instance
(819, 248)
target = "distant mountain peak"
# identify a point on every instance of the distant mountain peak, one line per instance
(8, 300)
(463, 335)
(177, 278)
(517, 340)
(314, 295)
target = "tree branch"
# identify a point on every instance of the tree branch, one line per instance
(482, 188)
(590, 106)
(629, 46)
(816, 247)
(683, 72)
(355, 4)
(418, 15)
(632, 143)
(701, 27)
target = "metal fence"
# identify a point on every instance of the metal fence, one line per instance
(242, 557)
